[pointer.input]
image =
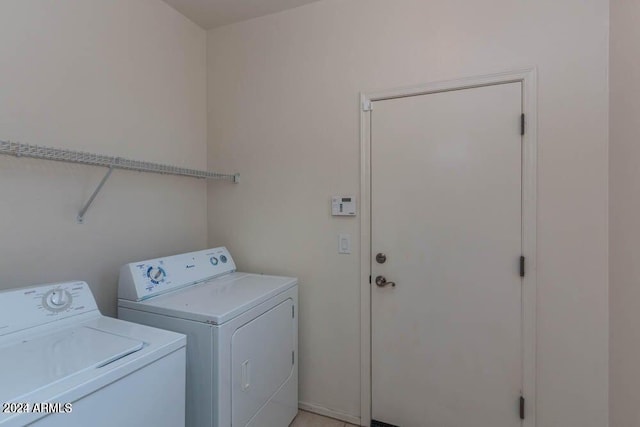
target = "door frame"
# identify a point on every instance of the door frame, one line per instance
(528, 78)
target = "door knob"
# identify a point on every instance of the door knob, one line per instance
(381, 281)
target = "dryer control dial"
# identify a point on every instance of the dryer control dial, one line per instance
(156, 274)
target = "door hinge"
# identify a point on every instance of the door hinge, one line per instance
(293, 311)
(369, 279)
(293, 357)
(522, 266)
(522, 121)
(367, 105)
(521, 407)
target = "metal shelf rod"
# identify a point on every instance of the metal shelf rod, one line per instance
(71, 156)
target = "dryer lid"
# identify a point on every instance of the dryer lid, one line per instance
(32, 364)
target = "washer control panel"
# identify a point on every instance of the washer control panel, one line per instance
(145, 279)
(24, 308)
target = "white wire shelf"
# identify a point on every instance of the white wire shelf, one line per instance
(18, 149)
(70, 156)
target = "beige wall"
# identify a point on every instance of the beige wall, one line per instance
(283, 111)
(117, 77)
(625, 213)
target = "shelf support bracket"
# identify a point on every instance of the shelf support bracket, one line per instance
(87, 205)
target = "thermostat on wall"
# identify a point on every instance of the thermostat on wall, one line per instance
(343, 206)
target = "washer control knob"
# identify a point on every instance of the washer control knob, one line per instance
(58, 298)
(223, 259)
(214, 260)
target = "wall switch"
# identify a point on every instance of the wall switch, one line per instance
(344, 243)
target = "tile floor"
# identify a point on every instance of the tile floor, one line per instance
(307, 419)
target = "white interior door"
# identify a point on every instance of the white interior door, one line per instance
(446, 211)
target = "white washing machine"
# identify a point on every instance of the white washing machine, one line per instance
(242, 334)
(64, 364)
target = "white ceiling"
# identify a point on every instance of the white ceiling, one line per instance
(214, 13)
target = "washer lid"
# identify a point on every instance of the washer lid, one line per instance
(32, 364)
(216, 301)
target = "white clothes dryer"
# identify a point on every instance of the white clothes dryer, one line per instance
(242, 334)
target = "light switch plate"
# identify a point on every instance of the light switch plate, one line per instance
(344, 243)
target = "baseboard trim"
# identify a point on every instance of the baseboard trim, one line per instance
(325, 412)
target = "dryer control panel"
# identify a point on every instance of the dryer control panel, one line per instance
(145, 279)
(24, 308)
